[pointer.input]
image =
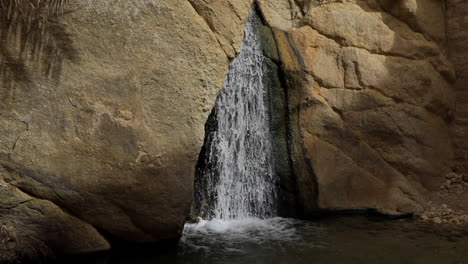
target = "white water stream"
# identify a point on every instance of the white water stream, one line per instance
(242, 178)
(245, 185)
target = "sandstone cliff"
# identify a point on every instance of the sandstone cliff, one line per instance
(371, 91)
(103, 107)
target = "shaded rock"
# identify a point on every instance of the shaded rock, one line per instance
(424, 16)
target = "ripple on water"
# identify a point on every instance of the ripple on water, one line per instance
(243, 235)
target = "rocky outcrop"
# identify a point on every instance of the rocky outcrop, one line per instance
(370, 93)
(102, 113)
(457, 24)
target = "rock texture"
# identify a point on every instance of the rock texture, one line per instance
(457, 24)
(103, 107)
(370, 93)
(101, 119)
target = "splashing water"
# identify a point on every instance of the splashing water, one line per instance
(241, 156)
(242, 235)
(239, 183)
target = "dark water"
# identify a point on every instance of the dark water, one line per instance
(337, 240)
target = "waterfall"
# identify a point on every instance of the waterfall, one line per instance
(239, 173)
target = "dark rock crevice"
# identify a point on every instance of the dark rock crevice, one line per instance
(200, 206)
(291, 75)
(280, 123)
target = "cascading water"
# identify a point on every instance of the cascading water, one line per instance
(237, 180)
(240, 160)
(242, 176)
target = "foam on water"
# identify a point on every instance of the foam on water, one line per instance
(253, 229)
(235, 236)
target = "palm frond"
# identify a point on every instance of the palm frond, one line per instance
(43, 9)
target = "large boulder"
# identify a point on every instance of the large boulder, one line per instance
(102, 116)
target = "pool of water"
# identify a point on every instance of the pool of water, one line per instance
(337, 240)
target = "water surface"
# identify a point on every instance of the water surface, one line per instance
(337, 240)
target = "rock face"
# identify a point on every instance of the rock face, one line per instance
(101, 118)
(103, 106)
(371, 101)
(457, 24)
